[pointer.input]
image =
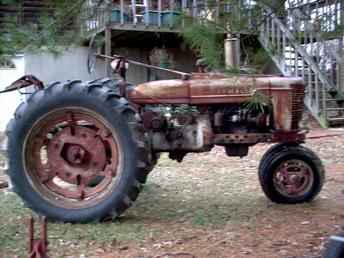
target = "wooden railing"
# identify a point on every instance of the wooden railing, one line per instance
(93, 19)
(158, 14)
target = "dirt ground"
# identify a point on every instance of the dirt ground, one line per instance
(208, 206)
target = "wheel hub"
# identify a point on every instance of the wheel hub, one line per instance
(293, 178)
(76, 155)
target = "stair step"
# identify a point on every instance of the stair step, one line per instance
(336, 119)
(299, 67)
(138, 5)
(336, 100)
(334, 109)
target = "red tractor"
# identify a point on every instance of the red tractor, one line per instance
(82, 151)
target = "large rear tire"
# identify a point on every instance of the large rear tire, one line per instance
(77, 152)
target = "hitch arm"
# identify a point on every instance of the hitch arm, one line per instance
(23, 82)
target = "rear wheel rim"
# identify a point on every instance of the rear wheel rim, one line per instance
(293, 178)
(72, 158)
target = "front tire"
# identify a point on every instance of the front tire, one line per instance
(291, 174)
(67, 135)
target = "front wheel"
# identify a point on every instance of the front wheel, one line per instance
(291, 174)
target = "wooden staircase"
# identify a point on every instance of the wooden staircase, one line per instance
(299, 47)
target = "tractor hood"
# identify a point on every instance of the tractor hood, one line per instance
(210, 89)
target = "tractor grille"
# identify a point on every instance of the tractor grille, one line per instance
(297, 105)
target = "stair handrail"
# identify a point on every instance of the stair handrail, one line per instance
(301, 51)
(329, 56)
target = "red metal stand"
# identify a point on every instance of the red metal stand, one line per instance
(38, 247)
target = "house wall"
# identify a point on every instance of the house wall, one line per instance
(70, 65)
(10, 101)
(183, 60)
(48, 68)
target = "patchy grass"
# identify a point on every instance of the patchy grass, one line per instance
(14, 220)
(209, 205)
(12, 224)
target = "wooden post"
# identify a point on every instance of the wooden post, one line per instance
(171, 10)
(340, 79)
(184, 7)
(133, 8)
(194, 7)
(108, 50)
(146, 16)
(159, 13)
(122, 12)
(284, 49)
(217, 11)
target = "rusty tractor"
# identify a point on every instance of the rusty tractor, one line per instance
(81, 151)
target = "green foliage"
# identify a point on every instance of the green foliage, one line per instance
(257, 59)
(9, 2)
(205, 38)
(323, 121)
(234, 17)
(277, 6)
(206, 35)
(54, 31)
(200, 218)
(258, 103)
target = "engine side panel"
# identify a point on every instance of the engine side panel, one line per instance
(286, 94)
(192, 137)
